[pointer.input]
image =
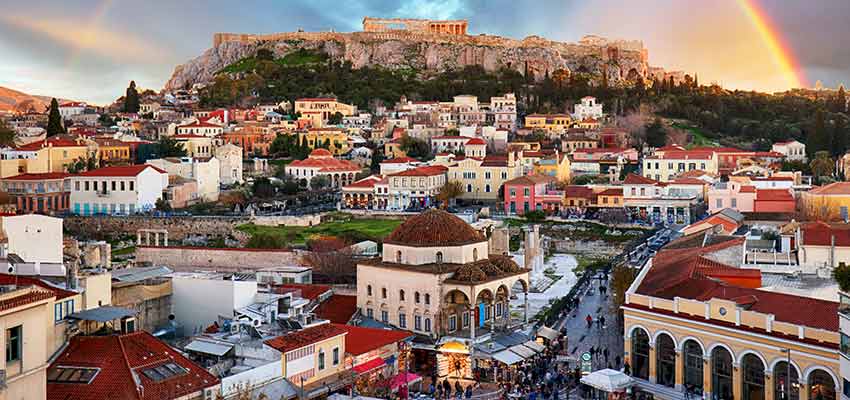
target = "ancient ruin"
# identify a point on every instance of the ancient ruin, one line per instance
(452, 27)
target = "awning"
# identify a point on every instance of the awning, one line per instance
(608, 380)
(523, 351)
(537, 347)
(205, 347)
(547, 333)
(507, 357)
(369, 365)
(103, 314)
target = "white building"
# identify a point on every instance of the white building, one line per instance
(199, 128)
(503, 111)
(844, 330)
(285, 274)
(117, 190)
(198, 299)
(416, 188)
(321, 162)
(66, 110)
(792, 150)
(229, 156)
(205, 171)
(588, 108)
(37, 239)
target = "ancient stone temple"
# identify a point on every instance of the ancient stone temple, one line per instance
(452, 27)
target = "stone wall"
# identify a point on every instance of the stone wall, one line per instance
(596, 247)
(187, 259)
(179, 228)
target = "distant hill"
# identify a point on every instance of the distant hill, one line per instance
(13, 100)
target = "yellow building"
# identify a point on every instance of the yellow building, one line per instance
(312, 357)
(550, 123)
(610, 198)
(556, 165)
(318, 137)
(481, 178)
(669, 165)
(392, 149)
(693, 322)
(50, 155)
(111, 151)
(197, 146)
(27, 340)
(827, 203)
(324, 106)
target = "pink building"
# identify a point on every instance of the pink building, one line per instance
(734, 195)
(532, 192)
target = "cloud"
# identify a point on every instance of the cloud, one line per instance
(94, 39)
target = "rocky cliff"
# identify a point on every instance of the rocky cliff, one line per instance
(621, 61)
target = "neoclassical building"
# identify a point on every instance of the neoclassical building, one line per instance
(437, 279)
(692, 321)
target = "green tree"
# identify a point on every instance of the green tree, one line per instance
(319, 182)
(449, 192)
(162, 205)
(7, 134)
(535, 216)
(131, 99)
(54, 119)
(416, 148)
(841, 274)
(106, 120)
(170, 147)
(377, 159)
(822, 165)
(839, 135)
(335, 119)
(656, 134)
(820, 138)
(263, 188)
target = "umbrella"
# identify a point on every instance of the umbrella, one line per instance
(404, 378)
(608, 380)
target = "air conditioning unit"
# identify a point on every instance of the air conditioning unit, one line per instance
(128, 325)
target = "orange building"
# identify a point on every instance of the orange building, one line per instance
(42, 193)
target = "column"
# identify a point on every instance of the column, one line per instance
(156, 239)
(472, 321)
(166, 239)
(768, 385)
(653, 363)
(680, 369)
(706, 377)
(493, 317)
(525, 311)
(138, 238)
(804, 390)
(737, 380)
(147, 238)
(627, 350)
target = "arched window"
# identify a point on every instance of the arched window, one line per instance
(666, 360)
(368, 290)
(693, 360)
(383, 293)
(398, 256)
(427, 298)
(439, 257)
(416, 297)
(401, 295)
(753, 378)
(427, 324)
(640, 354)
(821, 385)
(474, 254)
(780, 377)
(721, 373)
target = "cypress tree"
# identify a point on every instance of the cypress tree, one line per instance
(131, 99)
(54, 120)
(839, 136)
(841, 100)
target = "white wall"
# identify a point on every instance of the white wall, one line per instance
(35, 238)
(242, 381)
(197, 302)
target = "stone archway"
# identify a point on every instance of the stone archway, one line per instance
(456, 305)
(752, 377)
(665, 353)
(483, 308)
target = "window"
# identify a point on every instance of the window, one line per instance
(13, 344)
(321, 360)
(417, 322)
(734, 202)
(370, 313)
(57, 312)
(131, 186)
(385, 316)
(336, 356)
(164, 371)
(466, 319)
(452, 323)
(398, 256)
(401, 295)
(402, 321)
(427, 324)
(368, 290)
(416, 297)
(383, 293)
(474, 254)
(719, 203)
(525, 191)
(439, 258)
(427, 298)
(71, 375)
(77, 186)
(513, 192)
(113, 185)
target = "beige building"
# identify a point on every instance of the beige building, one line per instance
(205, 171)
(481, 178)
(25, 318)
(437, 278)
(666, 166)
(230, 163)
(325, 107)
(312, 356)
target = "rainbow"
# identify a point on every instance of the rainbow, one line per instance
(782, 55)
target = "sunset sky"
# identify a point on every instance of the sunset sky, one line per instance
(90, 49)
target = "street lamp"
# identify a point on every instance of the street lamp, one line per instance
(787, 374)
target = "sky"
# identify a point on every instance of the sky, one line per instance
(90, 49)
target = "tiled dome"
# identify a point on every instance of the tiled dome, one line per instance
(434, 228)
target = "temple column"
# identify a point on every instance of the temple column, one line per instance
(680, 370)
(737, 381)
(148, 238)
(138, 238)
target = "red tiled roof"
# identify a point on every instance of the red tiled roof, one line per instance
(434, 228)
(316, 99)
(774, 195)
(23, 299)
(635, 179)
(38, 176)
(612, 192)
(365, 183)
(188, 136)
(49, 142)
(6, 279)
(447, 137)
(574, 191)
(73, 104)
(476, 141)
(821, 234)
(121, 360)
(361, 340)
(325, 163)
(428, 170)
(199, 124)
(688, 181)
(338, 309)
(495, 161)
(839, 188)
(400, 160)
(531, 180)
(305, 337)
(120, 170)
(308, 291)
(321, 153)
(747, 189)
(684, 155)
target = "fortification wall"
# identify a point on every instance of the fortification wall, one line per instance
(188, 259)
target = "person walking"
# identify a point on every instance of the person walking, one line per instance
(605, 353)
(589, 320)
(602, 321)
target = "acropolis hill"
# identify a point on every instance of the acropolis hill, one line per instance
(427, 45)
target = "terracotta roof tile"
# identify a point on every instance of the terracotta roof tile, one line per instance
(305, 337)
(338, 309)
(120, 170)
(308, 291)
(361, 340)
(434, 228)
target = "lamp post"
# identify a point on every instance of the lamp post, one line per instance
(787, 374)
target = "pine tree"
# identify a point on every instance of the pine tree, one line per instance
(54, 119)
(841, 100)
(696, 81)
(656, 134)
(131, 99)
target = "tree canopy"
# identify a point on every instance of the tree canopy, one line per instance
(131, 99)
(54, 119)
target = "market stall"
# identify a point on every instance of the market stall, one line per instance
(607, 384)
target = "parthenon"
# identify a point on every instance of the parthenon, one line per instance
(452, 27)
